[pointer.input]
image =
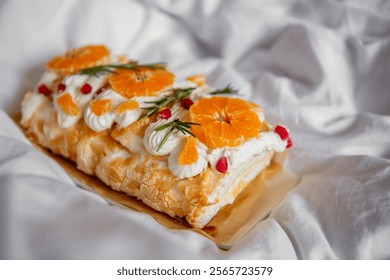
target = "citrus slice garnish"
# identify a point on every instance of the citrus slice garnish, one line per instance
(68, 106)
(128, 105)
(189, 153)
(199, 80)
(79, 58)
(142, 81)
(99, 107)
(224, 121)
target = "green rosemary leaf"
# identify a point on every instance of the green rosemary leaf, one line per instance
(163, 126)
(165, 139)
(110, 68)
(165, 101)
(227, 90)
(183, 127)
(188, 123)
(185, 131)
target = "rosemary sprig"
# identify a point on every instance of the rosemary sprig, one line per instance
(110, 68)
(183, 127)
(227, 90)
(177, 95)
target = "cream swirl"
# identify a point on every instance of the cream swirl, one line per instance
(73, 85)
(106, 120)
(153, 138)
(190, 170)
(128, 117)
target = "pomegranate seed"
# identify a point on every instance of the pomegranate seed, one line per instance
(86, 88)
(61, 87)
(44, 90)
(222, 165)
(282, 131)
(100, 90)
(186, 103)
(165, 114)
(289, 143)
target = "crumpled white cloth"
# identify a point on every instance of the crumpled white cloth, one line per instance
(321, 67)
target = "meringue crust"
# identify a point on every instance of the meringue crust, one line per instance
(115, 157)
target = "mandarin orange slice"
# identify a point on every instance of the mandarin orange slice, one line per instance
(140, 82)
(68, 106)
(99, 107)
(189, 154)
(128, 105)
(225, 122)
(199, 80)
(79, 58)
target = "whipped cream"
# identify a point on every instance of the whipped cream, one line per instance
(30, 104)
(128, 117)
(190, 170)
(265, 142)
(106, 120)
(153, 139)
(73, 85)
(49, 79)
(33, 100)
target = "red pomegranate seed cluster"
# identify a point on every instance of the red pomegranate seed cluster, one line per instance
(284, 135)
(43, 89)
(165, 114)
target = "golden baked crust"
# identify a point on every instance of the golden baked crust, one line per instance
(144, 176)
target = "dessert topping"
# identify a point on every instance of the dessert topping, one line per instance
(282, 132)
(86, 88)
(289, 143)
(67, 104)
(189, 153)
(183, 127)
(186, 103)
(43, 89)
(61, 87)
(222, 165)
(165, 114)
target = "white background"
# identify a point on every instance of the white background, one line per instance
(321, 67)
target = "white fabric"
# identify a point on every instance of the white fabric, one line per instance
(320, 67)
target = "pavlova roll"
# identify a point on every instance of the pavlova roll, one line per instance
(183, 148)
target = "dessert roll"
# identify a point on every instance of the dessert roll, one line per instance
(182, 147)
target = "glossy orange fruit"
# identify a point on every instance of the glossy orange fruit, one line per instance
(99, 107)
(140, 82)
(79, 58)
(224, 121)
(128, 105)
(67, 105)
(189, 153)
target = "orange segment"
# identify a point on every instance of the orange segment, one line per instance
(79, 58)
(128, 105)
(225, 122)
(140, 82)
(68, 106)
(99, 107)
(199, 80)
(189, 154)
